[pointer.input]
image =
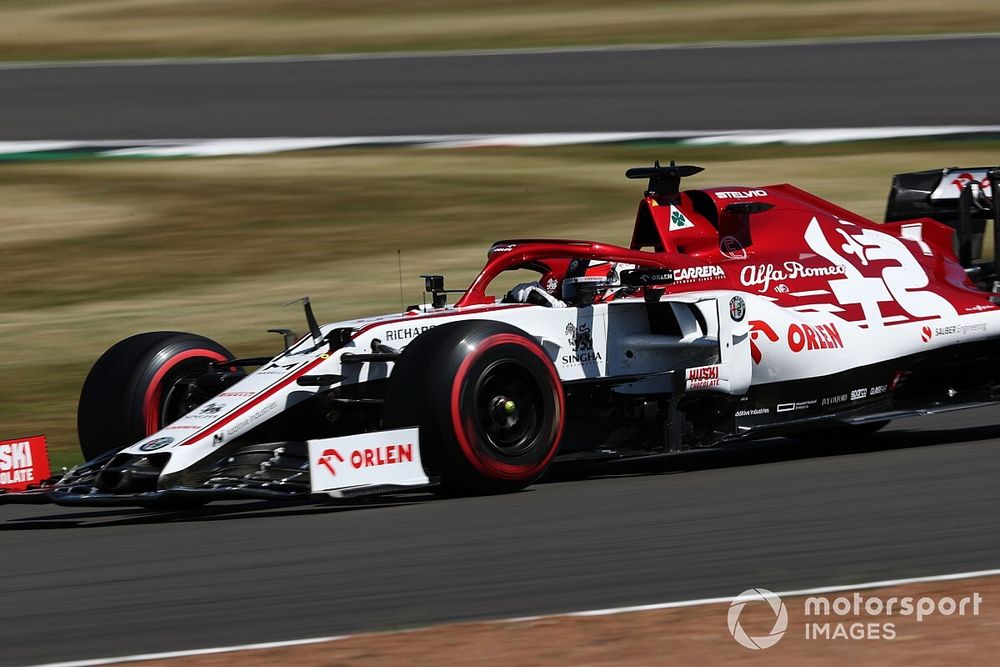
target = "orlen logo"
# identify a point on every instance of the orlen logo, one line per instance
(758, 327)
(800, 337)
(367, 458)
(965, 178)
(820, 337)
(327, 460)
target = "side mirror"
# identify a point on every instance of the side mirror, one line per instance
(435, 285)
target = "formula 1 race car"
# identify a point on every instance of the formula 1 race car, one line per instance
(735, 313)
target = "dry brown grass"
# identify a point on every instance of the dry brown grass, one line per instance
(51, 29)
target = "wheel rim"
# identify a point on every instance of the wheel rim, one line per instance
(509, 408)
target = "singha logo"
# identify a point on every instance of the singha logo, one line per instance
(581, 341)
(580, 337)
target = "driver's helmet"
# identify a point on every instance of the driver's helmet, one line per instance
(584, 290)
(590, 281)
(599, 278)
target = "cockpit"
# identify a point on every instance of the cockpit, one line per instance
(573, 283)
(559, 274)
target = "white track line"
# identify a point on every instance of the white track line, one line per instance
(805, 591)
(266, 145)
(832, 135)
(196, 652)
(589, 613)
(473, 53)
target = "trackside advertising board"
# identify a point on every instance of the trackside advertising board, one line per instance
(23, 462)
(366, 460)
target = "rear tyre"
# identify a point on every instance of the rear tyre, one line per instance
(128, 393)
(488, 402)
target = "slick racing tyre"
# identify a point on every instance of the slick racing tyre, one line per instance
(488, 402)
(130, 392)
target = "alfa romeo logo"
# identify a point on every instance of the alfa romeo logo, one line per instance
(737, 308)
(153, 445)
(780, 618)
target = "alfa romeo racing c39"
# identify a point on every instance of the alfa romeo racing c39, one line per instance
(735, 313)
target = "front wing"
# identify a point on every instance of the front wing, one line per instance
(345, 467)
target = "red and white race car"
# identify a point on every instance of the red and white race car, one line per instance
(735, 313)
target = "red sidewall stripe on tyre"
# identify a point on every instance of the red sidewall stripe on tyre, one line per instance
(491, 467)
(151, 401)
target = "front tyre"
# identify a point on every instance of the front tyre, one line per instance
(488, 402)
(134, 388)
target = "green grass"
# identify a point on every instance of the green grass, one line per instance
(66, 29)
(96, 250)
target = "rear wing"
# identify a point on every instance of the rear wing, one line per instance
(963, 199)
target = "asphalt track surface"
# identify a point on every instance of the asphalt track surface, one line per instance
(921, 498)
(897, 83)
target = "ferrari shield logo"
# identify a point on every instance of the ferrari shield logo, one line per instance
(678, 220)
